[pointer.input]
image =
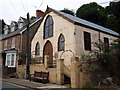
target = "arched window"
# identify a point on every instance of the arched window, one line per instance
(37, 49)
(61, 43)
(48, 27)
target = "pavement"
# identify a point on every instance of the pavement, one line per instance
(31, 84)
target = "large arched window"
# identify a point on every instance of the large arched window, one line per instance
(61, 43)
(48, 27)
(37, 49)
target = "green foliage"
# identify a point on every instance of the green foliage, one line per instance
(115, 62)
(92, 12)
(92, 67)
(104, 58)
(91, 85)
(108, 17)
(85, 57)
(22, 58)
(113, 20)
(67, 11)
(32, 17)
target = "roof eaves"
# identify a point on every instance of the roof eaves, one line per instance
(31, 25)
(60, 14)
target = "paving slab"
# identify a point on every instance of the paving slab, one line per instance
(31, 84)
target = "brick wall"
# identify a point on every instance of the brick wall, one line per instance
(32, 31)
(9, 42)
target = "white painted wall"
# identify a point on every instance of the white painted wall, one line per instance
(79, 39)
(60, 26)
(74, 38)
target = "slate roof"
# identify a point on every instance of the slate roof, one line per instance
(18, 31)
(87, 23)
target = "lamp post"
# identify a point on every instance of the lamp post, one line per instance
(27, 50)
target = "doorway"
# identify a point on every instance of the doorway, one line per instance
(48, 50)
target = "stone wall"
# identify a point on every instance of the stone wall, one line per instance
(37, 67)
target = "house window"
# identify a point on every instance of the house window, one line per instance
(48, 27)
(106, 43)
(5, 44)
(6, 31)
(37, 49)
(10, 59)
(13, 43)
(61, 43)
(87, 41)
(12, 28)
(20, 25)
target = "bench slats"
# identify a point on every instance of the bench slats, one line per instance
(40, 76)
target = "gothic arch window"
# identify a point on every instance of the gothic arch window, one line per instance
(37, 49)
(61, 43)
(48, 27)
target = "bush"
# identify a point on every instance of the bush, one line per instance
(91, 85)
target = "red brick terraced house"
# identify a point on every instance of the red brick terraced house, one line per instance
(13, 43)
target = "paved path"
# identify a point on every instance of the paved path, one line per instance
(31, 84)
(6, 85)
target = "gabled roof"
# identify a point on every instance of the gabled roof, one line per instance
(21, 19)
(31, 24)
(19, 31)
(77, 20)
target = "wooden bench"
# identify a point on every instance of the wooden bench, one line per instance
(40, 76)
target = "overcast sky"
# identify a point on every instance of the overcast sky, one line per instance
(11, 10)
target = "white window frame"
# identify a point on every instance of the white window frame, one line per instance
(6, 31)
(13, 43)
(5, 44)
(20, 25)
(10, 60)
(12, 28)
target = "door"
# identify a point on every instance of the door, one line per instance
(48, 50)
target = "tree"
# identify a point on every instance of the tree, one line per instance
(67, 11)
(92, 12)
(113, 20)
(32, 17)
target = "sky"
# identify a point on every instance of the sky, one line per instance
(11, 10)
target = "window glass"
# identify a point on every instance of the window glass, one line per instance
(8, 60)
(5, 31)
(12, 29)
(50, 30)
(47, 23)
(20, 25)
(106, 43)
(48, 27)
(12, 59)
(37, 49)
(13, 43)
(87, 41)
(5, 44)
(61, 43)
(46, 32)
(50, 21)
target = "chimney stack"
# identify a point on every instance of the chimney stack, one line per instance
(39, 13)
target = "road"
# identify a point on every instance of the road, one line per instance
(7, 85)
